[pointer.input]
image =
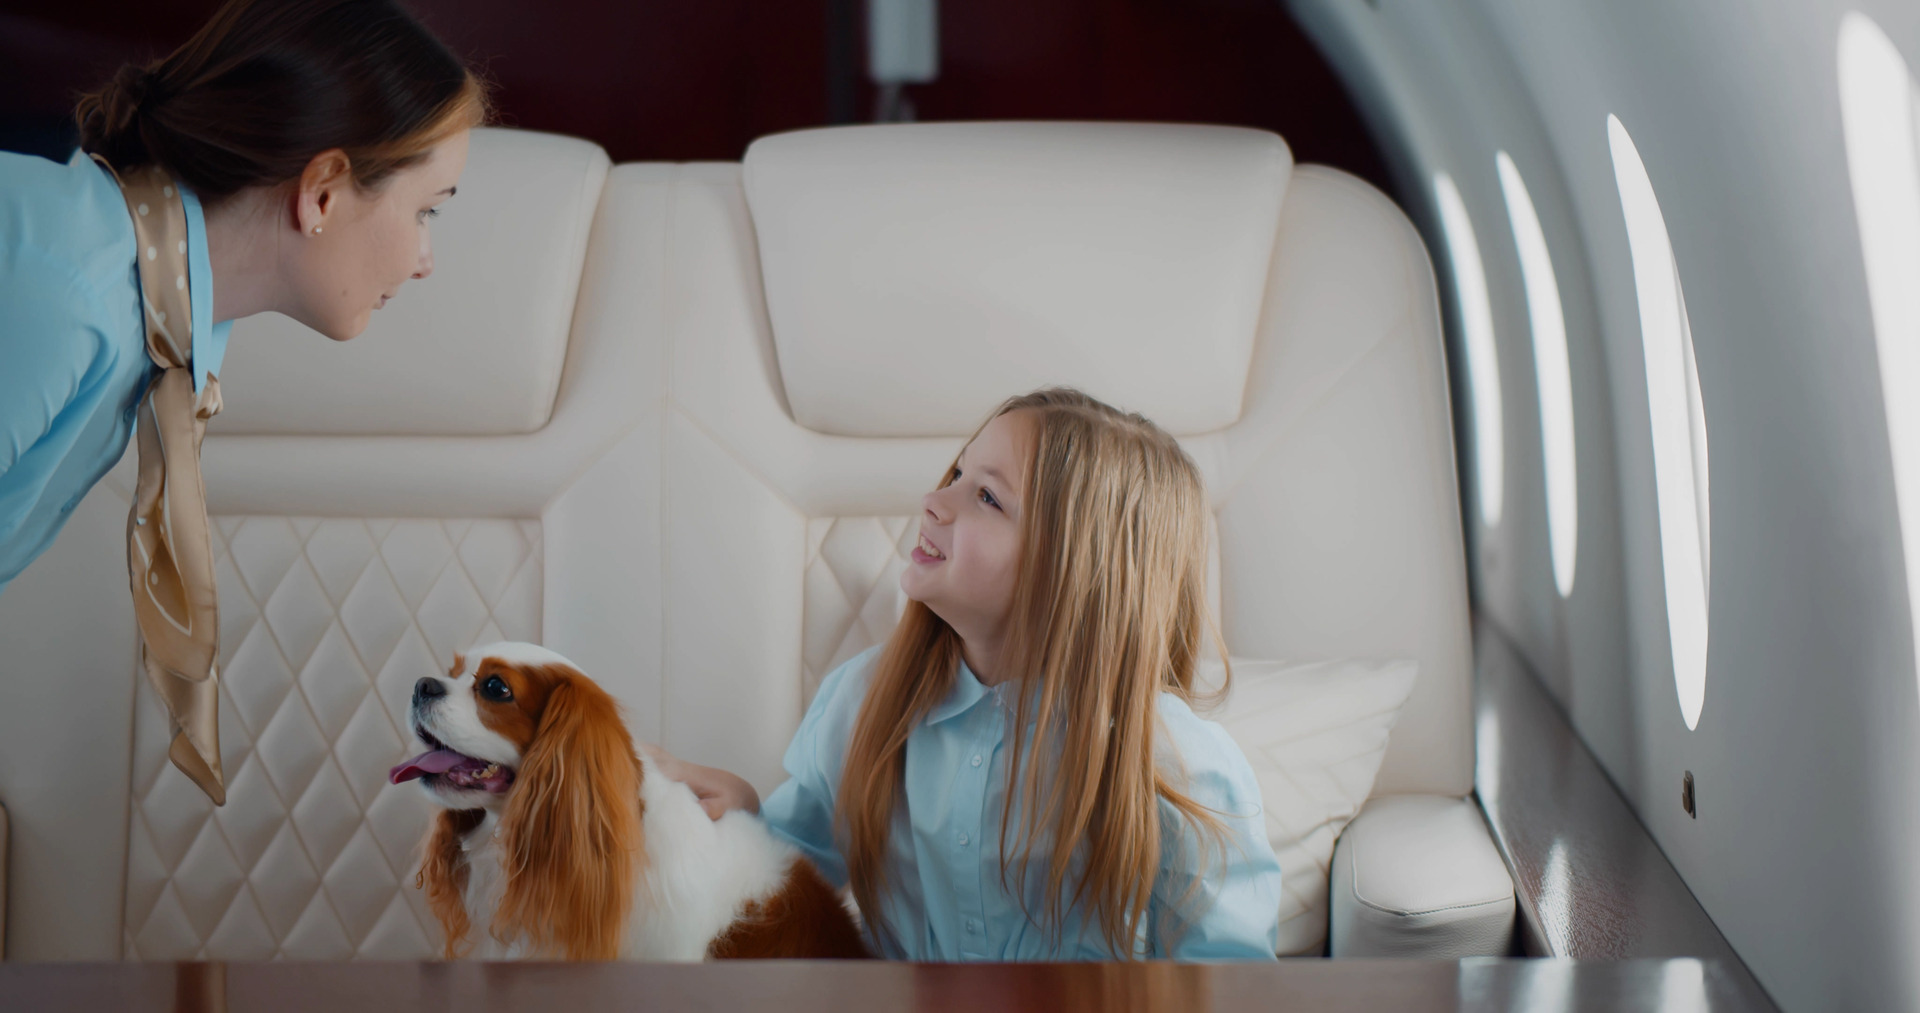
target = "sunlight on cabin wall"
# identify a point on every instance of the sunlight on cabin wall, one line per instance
(1554, 379)
(1678, 421)
(1483, 364)
(1880, 108)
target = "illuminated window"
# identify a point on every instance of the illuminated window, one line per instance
(1483, 364)
(1880, 110)
(1554, 378)
(1679, 425)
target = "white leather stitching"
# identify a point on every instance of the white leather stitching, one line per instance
(862, 558)
(379, 915)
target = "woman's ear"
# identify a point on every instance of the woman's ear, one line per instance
(318, 189)
(443, 874)
(571, 832)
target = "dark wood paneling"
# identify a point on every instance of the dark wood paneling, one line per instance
(1318, 986)
(1591, 882)
(685, 80)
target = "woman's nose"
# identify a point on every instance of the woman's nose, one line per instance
(425, 266)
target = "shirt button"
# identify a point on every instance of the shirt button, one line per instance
(963, 840)
(973, 926)
(976, 759)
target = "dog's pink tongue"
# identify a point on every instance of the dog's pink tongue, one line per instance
(433, 761)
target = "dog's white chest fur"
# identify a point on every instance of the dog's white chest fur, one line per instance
(700, 873)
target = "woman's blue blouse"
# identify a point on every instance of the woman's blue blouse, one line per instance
(73, 354)
(947, 901)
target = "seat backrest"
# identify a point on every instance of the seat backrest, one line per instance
(852, 306)
(764, 367)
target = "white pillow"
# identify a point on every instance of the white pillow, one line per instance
(1315, 733)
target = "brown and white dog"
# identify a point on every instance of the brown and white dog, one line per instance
(560, 841)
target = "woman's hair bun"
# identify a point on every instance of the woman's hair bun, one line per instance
(110, 119)
(266, 85)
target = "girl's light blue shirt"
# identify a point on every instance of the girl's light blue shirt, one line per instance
(947, 902)
(73, 346)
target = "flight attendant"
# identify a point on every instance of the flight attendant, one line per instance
(288, 157)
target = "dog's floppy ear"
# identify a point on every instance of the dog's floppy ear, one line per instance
(571, 832)
(443, 873)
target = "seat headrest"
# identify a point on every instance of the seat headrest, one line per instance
(916, 275)
(476, 349)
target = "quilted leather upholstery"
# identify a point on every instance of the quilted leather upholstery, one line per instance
(852, 595)
(325, 626)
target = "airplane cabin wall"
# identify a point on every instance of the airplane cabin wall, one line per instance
(1804, 757)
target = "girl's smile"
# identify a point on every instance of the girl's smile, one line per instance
(968, 557)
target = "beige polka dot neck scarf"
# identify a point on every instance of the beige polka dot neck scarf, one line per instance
(169, 550)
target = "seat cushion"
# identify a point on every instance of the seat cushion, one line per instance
(1315, 733)
(1418, 876)
(326, 623)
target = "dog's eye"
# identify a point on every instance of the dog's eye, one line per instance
(496, 689)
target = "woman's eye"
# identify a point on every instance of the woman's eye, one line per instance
(429, 213)
(495, 688)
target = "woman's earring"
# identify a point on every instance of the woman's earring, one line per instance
(316, 230)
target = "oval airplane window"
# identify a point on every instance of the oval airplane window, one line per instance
(1483, 364)
(1553, 376)
(1679, 424)
(1880, 114)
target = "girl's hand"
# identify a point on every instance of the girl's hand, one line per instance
(718, 791)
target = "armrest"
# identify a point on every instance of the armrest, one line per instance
(1418, 876)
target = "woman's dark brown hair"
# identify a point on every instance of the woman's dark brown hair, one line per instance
(266, 85)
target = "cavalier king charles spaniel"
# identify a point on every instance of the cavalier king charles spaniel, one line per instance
(563, 842)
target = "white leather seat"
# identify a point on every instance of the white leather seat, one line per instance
(686, 452)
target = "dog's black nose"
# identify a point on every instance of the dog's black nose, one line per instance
(426, 689)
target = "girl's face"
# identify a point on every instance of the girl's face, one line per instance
(372, 243)
(968, 556)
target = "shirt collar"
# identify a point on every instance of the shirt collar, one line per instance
(209, 338)
(966, 692)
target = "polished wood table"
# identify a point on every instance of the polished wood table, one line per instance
(1321, 986)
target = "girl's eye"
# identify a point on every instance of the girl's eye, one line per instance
(987, 498)
(496, 689)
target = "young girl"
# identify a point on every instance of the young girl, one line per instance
(1059, 587)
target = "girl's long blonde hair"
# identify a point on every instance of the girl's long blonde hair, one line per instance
(1109, 610)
